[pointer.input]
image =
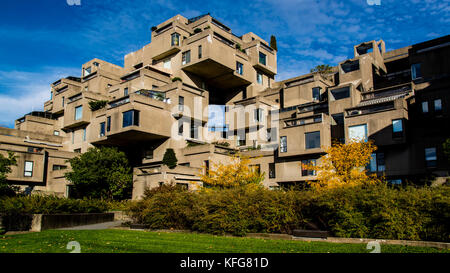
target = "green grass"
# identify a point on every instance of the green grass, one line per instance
(128, 241)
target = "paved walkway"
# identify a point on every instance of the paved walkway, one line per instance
(105, 225)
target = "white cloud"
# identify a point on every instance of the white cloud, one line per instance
(23, 91)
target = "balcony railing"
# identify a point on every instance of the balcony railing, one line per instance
(386, 92)
(303, 121)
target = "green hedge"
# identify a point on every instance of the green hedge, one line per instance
(50, 205)
(360, 212)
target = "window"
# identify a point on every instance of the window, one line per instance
(148, 154)
(425, 107)
(350, 66)
(255, 168)
(95, 64)
(186, 57)
(28, 169)
(376, 163)
(194, 130)
(272, 173)
(283, 144)
(62, 101)
(358, 132)
(86, 71)
(438, 105)
(78, 112)
(316, 94)
(430, 157)
(258, 115)
(306, 171)
(199, 51)
(397, 128)
(240, 140)
(180, 127)
(239, 68)
(262, 58)
(395, 181)
(312, 140)
(167, 64)
(130, 118)
(341, 93)
(108, 124)
(416, 71)
(84, 134)
(102, 129)
(59, 167)
(125, 91)
(56, 133)
(77, 151)
(181, 103)
(175, 41)
(259, 77)
(338, 119)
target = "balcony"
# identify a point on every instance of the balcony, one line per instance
(217, 63)
(140, 116)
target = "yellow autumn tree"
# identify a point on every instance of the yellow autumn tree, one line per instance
(237, 172)
(344, 165)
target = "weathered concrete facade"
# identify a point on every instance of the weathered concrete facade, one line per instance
(197, 86)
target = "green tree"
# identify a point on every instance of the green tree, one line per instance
(446, 146)
(322, 69)
(273, 42)
(5, 169)
(170, 159)
(101, 173)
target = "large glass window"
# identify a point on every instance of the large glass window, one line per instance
(272, 173)
(358, 132)
(130, 118)
(438, 105)
(180, 127)
(376, 163)
(186, 57)
(341, 93)
(125, 91)
(425, 107)
(175, 41)
(239, 68)
(194, 130)
(312, 140)
(397, 128)
(28, 169)
(108, 124)
(430, 157)
(316, 93)
(306, 167)
(259, 77)
(102, 129)
(78, 112)
(181, 103)
(262, 58)
(416, 72)
(283, 144)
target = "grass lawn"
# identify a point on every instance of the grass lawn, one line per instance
(129, 241)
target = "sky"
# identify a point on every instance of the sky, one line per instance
(44, 40)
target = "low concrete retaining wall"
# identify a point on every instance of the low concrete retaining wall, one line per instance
(38, 222)
(441, 245)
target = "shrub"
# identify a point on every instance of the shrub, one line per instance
(101, 173)
(96, 105)
(5, 168)
(371, 211)
(36, 204)
(176, 79)
(170, 159)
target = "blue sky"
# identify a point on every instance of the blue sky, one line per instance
(44, 40)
